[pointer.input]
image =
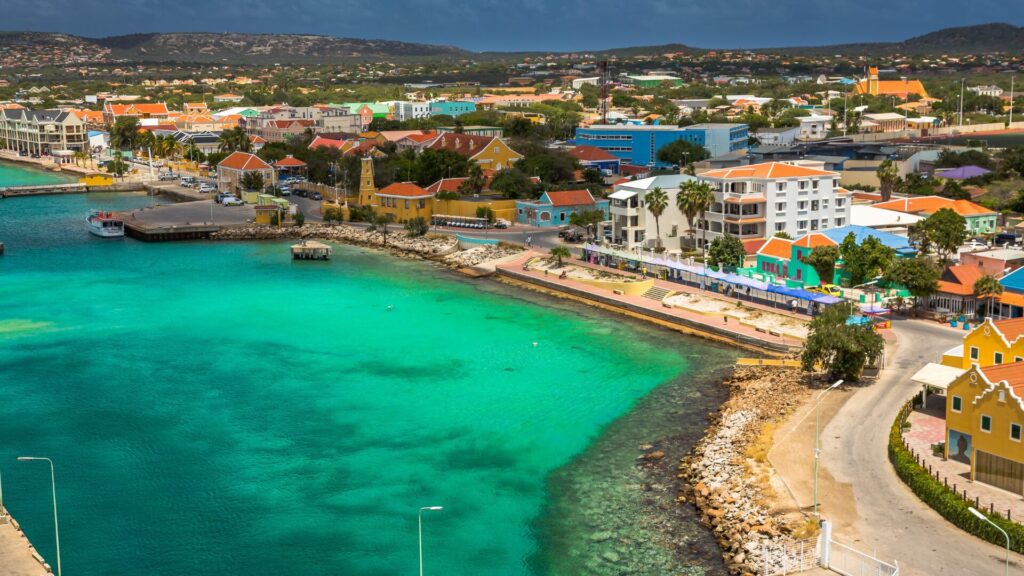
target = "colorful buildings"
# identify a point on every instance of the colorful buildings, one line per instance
(984, 420)
(761, 200)
(453, 108)
(403, 201)
(632, 224)
(42, 131)
(901, 88)
(638, 144)
(596, 158)
(980, 220)
(554, 208)
(157, 110)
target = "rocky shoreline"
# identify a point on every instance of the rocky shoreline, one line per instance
(720, 477)
(438, 247)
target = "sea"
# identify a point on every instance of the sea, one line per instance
(216, 408)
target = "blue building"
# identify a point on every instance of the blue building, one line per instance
(639, 144)
(554, 208)
(451, 108)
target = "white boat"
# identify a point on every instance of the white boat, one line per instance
(104, 224)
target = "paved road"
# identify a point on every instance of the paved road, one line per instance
(892, 520)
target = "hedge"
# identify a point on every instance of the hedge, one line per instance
(943, 500)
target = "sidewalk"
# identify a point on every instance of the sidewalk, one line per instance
(717, 328)
(17, 556)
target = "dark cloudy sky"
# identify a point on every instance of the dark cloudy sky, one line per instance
(525, 24)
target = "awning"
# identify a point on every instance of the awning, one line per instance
(622, 195)
(937, 375)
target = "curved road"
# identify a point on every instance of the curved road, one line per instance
(892, 521)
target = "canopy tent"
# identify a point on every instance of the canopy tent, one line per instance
(936, 376)
(963, 173)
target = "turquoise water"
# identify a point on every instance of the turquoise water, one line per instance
(13, 174)
(214, 408)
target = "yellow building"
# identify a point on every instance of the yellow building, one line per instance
(488, 152)
(901, 88)
(97, 180)
(990, 343)
(404, 201)
(504, 208)
(367, 187)
(984, 419)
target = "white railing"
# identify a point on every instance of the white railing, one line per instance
(850, 562)
(791, 557)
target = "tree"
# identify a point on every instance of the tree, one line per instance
(823, 260)
(560, 252)
(124, 135)
(841, 349)
(513, 183)
(888, 178)
(657, 201)
(299, 218)
(865, 260)
(117, 166)
(953, 189)
(588, 219)
(694, 200)
(381, 221)
(945, 230)
(726, 251)
(252, 180)
(987, 288)
(234, 140)
(417, 226)
(784, 235)
(681, 153)
(474, 182)
(918, 275)
(485, 212)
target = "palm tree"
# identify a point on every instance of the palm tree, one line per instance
(684, 201)
(559, 252)
(694, 200)
(888, 178)
(987, 288)
(657, 201)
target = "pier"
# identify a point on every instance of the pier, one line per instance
(311, 250)
(150, 233)
(17, 555)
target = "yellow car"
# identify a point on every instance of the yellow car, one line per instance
(829, 289)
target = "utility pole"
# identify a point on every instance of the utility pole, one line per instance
(1011, 100)
(961, 102)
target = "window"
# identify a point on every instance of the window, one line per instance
(780, 226)
(974, 352)
(781, 186)
(406, 204)
(814, 204)
(986, 423)
(957, 404)
(998, 357)
(839, 202)
(1017, 359)
(1015, 432)
(801, 224)
(801, 205)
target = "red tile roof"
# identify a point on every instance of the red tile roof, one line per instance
(753, 246)
(814, 240)
(591, 154)
(289, 162)
(243, 161)
(570, 197)
(1013, 374)
(1011, 328)
(404, 190)
(319, 141)
(766, 170)
(468, 145)
(932, 204)
(960, 279)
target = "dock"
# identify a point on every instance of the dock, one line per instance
(155, 233)
(311, 250)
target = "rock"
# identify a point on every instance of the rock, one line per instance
(600, 536)
(610, 556)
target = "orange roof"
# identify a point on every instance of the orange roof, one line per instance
(1012, 299)
(94, 116)
(932, 204)
(777, 248)
(814, 240)
(464, 144)
(570, 197)
(404, 189)
(753, 246)
(420, 138)
(289, 162)
(326, 142)
(446, 185)
(894, 88)
(1011, 328)
(1013, 374)
(745, 200)
(257, 139)
(591, 154)
(960, 279)
(136, 108)
(243, 161)
(766, 170)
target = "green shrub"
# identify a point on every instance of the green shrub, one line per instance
(417, 226)
(942, 499)
(299, 218)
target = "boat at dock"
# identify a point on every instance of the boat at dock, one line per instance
(104, 224)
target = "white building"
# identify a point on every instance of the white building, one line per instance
(578, 83)
(409, 110)
(633, 225)
(994, 91)
(778, 136)
(814, 127)
(760, 200)
(42, 131)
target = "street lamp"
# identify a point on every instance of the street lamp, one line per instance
(981, 516)
(53, 487)
(817, 448)
(431, 509)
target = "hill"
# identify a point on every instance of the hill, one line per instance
(982, 38)
(229, 48)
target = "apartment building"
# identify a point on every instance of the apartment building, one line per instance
(638, 144)
(633, 225)
(42, 131)
(280, 123)
(760, 200)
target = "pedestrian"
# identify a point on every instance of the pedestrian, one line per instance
(726, 318)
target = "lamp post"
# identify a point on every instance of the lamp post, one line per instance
(817, 448)
(981, 516)
(53, 488)
(431, 509)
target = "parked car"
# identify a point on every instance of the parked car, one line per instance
(501, 223)
(207, 188)
(316, 196)
(286, 191)
(219, 198)
(165, 176)
(827, 289)
(1005, 238)
(231, 201)
(22, 153)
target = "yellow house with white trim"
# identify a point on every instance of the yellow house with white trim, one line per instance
(989, 344)
(985, 424)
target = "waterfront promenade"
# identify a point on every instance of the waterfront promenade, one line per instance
(17, 555)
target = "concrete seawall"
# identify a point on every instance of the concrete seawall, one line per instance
(17, 555)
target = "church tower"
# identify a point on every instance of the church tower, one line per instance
(873, 80)
(367, 189)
